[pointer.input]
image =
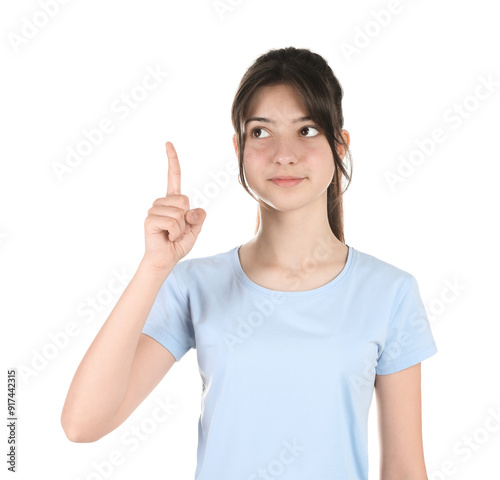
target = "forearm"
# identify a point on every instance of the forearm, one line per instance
(105, 369)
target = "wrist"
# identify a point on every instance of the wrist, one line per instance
(153, 268)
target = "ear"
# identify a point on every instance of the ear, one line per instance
(235, 143)
(341, 149)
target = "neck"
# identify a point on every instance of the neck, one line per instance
(295, 239)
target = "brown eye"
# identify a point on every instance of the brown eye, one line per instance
(308, 128)
(252, 133)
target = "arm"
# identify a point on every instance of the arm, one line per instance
(121, 366)
(400, 425)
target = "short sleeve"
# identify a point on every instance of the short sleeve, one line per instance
(409, 339)
(169, 321)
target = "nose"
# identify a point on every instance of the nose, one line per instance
(284, 152)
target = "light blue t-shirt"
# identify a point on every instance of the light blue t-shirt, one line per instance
(288, 377)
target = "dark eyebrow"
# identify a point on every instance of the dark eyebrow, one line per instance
(267, 120)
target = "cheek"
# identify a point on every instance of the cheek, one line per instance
(253, 160)
(322, 150)
(255, 150)
(321, 161)
(251, 168)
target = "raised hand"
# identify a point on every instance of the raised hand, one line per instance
(171, 228)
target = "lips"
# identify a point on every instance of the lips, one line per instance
(289, 181)
(286, 177)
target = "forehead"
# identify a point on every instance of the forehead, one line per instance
(281, 100)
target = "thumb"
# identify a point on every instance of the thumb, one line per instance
(195, 218)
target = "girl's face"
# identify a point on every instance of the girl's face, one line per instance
(283, 143)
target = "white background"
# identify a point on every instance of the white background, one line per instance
(63, 238)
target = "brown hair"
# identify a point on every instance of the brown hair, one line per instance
(321, 93)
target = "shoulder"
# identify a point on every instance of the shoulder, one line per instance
(376, 271)
(188, 270)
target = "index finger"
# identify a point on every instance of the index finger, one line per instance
(174, 171)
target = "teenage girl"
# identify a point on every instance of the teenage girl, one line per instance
(294, 330)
